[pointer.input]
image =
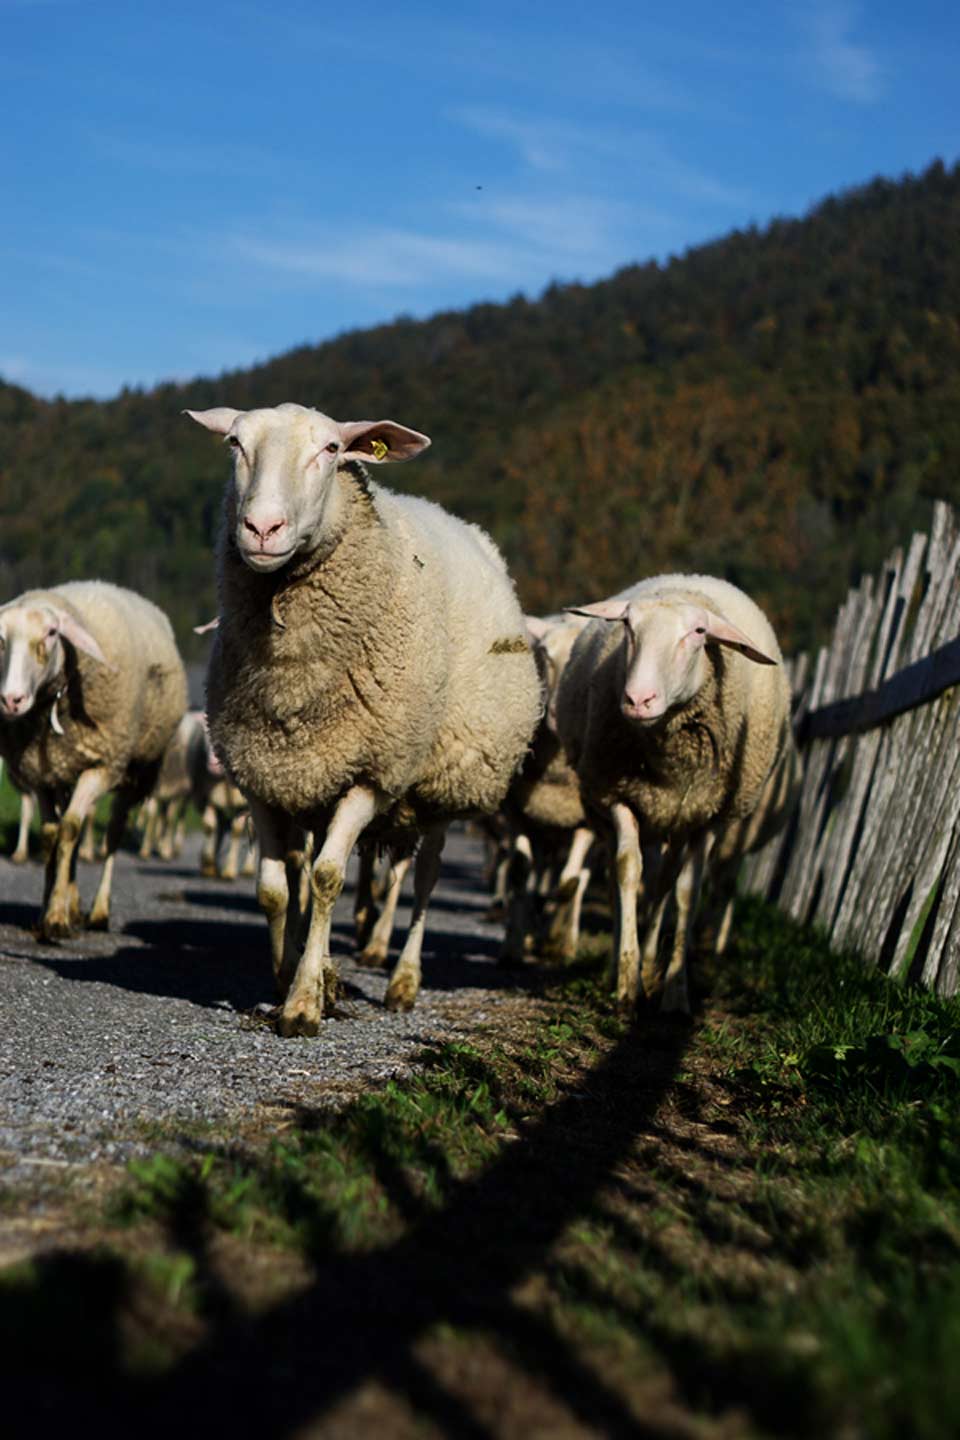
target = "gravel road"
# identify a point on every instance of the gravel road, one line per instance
(159, 1020)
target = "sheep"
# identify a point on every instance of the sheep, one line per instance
(182, 777)
(674, 709)
(545, 813)
(91, 689)
(370, 673)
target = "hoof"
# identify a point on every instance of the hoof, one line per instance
(55, 929)
(374, 957)
(303, 1018)
(19, 857)
(97, 920)
(333, 990)
(209, 870)
(400, 995)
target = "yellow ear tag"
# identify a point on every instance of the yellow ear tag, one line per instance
(379, 448)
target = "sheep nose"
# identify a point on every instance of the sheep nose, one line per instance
(266, 529)
(12, 703)
(641, 701)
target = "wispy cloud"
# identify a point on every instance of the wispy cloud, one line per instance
(179, 157)
(387, 257)
(641, 156)
(845, 66)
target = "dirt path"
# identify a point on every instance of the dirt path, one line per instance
(161, 1019)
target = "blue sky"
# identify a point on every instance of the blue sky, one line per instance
(189, 188)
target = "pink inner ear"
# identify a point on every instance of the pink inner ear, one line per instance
(219, 420)
(600, 610)
(377, 441)
(723, 633)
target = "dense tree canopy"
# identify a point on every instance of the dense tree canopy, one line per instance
(778, 407)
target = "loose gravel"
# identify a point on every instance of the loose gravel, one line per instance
(165, 1018)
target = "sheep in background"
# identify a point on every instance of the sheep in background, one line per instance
(545, 815)
(674, 709)
(181, 778)
(370, 672)
(91, 690)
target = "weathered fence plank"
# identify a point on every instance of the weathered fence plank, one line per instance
(873, 853)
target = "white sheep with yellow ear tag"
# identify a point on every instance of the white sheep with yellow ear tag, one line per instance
(674, 708)
(370, 673)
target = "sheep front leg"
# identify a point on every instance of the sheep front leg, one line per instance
(521, 905)
(123, 803)
(629, 874)
(405, 980)
(303, 1007)
(60, 912)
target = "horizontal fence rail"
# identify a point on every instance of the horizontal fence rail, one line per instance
(873, 852)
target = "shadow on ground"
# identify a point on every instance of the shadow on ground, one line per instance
(365, 1317)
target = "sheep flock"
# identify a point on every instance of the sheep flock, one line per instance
(371, 679)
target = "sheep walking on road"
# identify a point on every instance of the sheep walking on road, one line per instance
(91, 689)
(674, 709)
(370, 673)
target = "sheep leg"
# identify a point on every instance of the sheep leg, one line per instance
(564, 934)
(303, 1007)
(405, 980)
(364, 910)
(249, 866)
(211, 840)
(123, 803)
(629, 873)
(663, 880)
(167, 843)
(55, 922)
(521, 880)
(27, 807)
(87, 850)
(375, 951)
(231, 864)
(676, 995)
(274, 884)
(151, 813)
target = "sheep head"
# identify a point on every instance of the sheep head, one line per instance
(285, 466)
(32, 657)
(664, 651)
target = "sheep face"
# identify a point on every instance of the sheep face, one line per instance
(285, 466)
(663, 652)
(32, 654)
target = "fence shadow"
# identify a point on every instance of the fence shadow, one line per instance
(365, 1315)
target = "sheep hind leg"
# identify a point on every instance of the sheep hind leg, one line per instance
(22, 852)
(375, 952)
(123, 802)
(520, 901)
(303, 1008)
(404, 983)
(563, 937)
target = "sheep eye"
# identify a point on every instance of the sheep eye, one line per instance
(233, 441)
(332, 448)
(700, 630)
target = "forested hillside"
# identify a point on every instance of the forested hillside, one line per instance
(778, 407)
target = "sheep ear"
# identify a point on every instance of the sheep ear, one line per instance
(80, 638)
(376, 441)
(539, 629)
(600, 610)
(721, 632)
(219, 420)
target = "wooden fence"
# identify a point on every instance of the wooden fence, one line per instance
(873, 853)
